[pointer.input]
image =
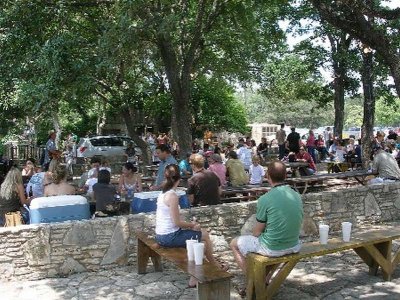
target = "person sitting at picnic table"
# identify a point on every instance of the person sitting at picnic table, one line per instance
(392, 135)
(171, 230)
(279, 218)
(235, 170)
(262, 149)
(216, 166)
(386, 166)
(293, 140)
(321, 148)
(59, 186)
(204, 187)
(164, 154)
(103, 194)
(337, 151)
(184, 167)
(130, 181)
(379, 140)
(256, 171)
(306, 157)
(12, 196)
(29, 169)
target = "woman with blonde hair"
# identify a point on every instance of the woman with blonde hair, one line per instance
(59, 186)
(12, 195)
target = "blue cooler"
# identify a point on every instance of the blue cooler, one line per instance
(147, 201)
(58, 209)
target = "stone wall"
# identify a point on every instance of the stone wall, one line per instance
(49, 250)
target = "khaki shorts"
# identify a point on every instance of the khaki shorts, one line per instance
(250, 243)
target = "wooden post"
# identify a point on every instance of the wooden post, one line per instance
(143, 254)
(386, 250)
(276, 282)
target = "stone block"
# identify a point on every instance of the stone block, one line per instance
(371, 206)
(308, 227)
(247, 228)
(80, 235)
(37, 250)
(71, 266)
(116, 252)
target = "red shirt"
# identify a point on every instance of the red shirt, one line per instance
(311, 141)
(307, 157)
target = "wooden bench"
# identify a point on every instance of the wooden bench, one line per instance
(374, 248)
(213, 283)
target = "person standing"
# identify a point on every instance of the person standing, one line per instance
(281, 138)
(244, 154)
(279, 218)
(204, 187)
(311, 145)
(293, 140)
(164, 154)
(51, 151)
(328, 137)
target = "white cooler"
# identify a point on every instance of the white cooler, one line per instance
(58, 209)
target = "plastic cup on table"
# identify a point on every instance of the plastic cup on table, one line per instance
(346, 231)
(189, 249)
(323, 234)
(198, 253)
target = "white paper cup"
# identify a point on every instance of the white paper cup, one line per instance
(198, 253)
(323, 234)
(189, 249)
(346, 231)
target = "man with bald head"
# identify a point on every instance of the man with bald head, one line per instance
(279, 218)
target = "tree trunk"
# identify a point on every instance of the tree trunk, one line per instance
(146, 154)
(367, 130)
(338, 84)
(179, 85)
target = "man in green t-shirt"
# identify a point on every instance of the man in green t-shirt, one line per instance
(279, 218)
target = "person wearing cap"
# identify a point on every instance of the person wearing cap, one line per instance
(50, 150)
(216, 166)
(386, 166)
(293, 140)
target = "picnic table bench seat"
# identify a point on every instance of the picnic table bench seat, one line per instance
(213, 283)
(374, 248)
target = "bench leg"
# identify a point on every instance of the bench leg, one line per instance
(378, 255)
(143, 255)
(214, 290)
(280, 276)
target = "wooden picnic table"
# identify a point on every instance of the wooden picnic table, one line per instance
(359, 175)
(245, 192)
(295, 166)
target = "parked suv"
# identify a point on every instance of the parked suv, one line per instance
(108, 146)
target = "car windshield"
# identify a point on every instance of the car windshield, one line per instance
(110, 141)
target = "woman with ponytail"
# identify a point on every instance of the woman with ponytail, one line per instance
(171, 230)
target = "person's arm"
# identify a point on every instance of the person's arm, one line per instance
(139, 183)
(258, 228)
(172, 201)
(120, 183)
(21, 194)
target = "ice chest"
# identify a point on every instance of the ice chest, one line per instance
(58, 209)
(147, 201)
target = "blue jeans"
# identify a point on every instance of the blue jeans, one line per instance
(281, 151)
(311, 151)
(178, 238)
